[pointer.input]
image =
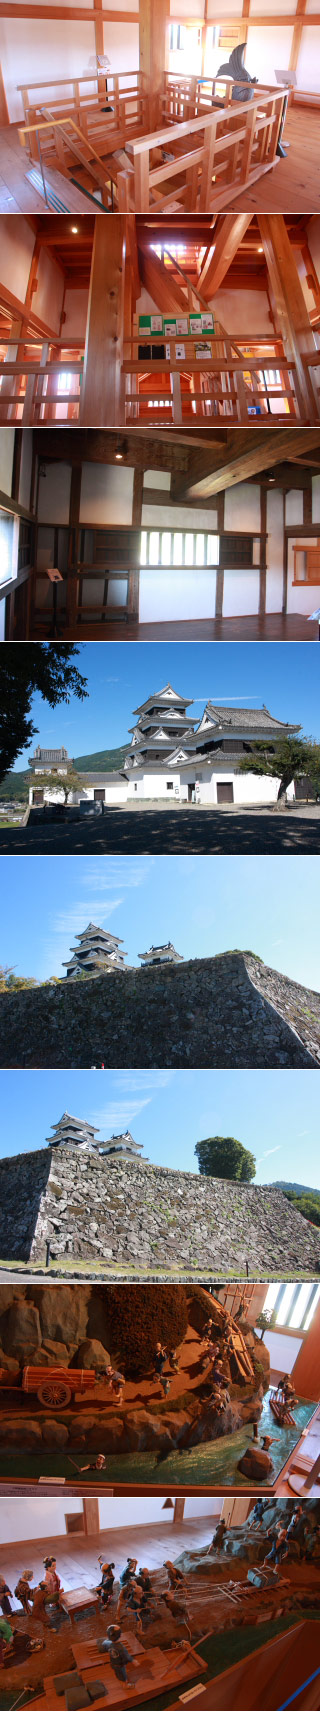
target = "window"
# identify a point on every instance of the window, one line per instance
(179, 547)
(7, 552)
(64, 381)
(177, 38)
(293, 1305)
(170, 785)
(159, 403)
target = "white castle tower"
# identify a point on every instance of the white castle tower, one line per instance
(121, 1147)
(98, 953)
(73, 1132)
(162, 723)
(159, 954)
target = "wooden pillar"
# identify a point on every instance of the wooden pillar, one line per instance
(91, 1515)
(263, 554)
(74, 515)
(4, 115)
(153, 23)
(291, 309)
(307, 502)
(100, 391)
(137, 499)
(297, 35)
(220, 570)
(178, 1514)
(306, 1371)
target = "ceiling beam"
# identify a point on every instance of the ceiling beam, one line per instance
(230, 232)
(165, 291)
(258, 451)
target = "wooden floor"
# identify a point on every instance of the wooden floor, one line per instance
(293, 185)
(274, 628)
(77, 1561)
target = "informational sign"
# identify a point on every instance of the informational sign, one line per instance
(182, 325)
(203, 353)
(180, 353)
(156, 324)
(195, 323)
(170, 327)
(207, 325)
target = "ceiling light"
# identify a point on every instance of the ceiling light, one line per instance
(271, 478)
(121, 450)
(260, 249)
(74, 228)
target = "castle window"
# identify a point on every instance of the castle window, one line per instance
(293, 1305)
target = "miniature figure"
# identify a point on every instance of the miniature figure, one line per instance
(128, 1574)
(118, 1653)
(159, 1360)
(52, 1580)
(217, 1543)
(173, 1361)
(179, 1610)
(5, 1592)
(23, 1591)
(175, 1575)
(107, 1581)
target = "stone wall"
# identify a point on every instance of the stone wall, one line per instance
(226, 1011)
(134, 1216)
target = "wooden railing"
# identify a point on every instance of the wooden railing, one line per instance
(216, 156)
(229, 384)
(28, 380)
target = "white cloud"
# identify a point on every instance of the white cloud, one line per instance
(268, 1152)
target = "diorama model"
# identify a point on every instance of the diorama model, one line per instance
(135, 1631)
(130, 1383)
(171, 753)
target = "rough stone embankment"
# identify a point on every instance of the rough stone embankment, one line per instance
(145, 1217)
(221, 1012)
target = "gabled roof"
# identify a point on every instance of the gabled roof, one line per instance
(167, 694)
(92, 929)
(243, 718)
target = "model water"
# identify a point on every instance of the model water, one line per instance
(206, 1464)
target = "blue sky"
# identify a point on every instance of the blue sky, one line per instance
(273, 1112)
(204, 904)
(122, 675)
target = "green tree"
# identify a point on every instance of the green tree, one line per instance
(307, 1205)
(223, 1156)
(292, 758)
(26, 668)
(65, 782)
(265, 1319)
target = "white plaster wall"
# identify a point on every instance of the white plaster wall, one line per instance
(308, 63)
(316, 499)
(247, 787)
(294, 507)
(54, 494)
(133, 1512)
(7, 437)
(106, 494)
(25, 467)
(242, 312)
(157, 478)
(48, 298)
(241, 593)
(75, 314)
(203, 1507)
(17, 246)
(30, 1521)
(242, 507)
(56, 49)
(268, 48)
(274, 551)
(177, 517)
(172, 594)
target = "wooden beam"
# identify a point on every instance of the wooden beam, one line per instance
(230, 231)
(100, 390)
(297, 34)
(153, 25)
(260, 455)
(165, 291)
(137, 499)
(68, 13)
(91, 1515)
(4, 115)
(290, 305)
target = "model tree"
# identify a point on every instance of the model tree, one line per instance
(223, 1156)
(46, 668)
(292, 758)
(136, 1319)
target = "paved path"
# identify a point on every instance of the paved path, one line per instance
(171, 831)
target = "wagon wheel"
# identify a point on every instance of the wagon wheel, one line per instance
(54, 1394)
